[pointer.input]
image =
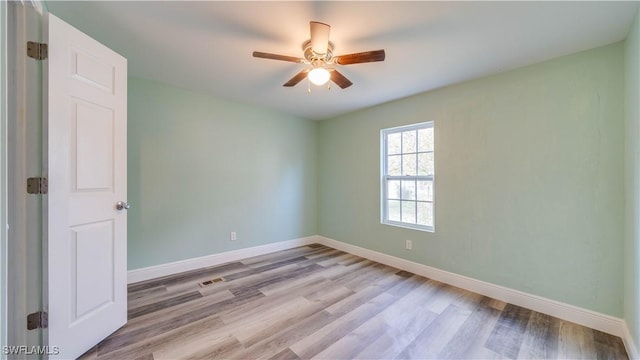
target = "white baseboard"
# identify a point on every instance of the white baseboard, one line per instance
(176, 267)
(592, 319)
(630, 343)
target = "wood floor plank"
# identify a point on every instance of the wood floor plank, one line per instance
(405, 319)
(478, 350)
(194, 306)
(540, 338)
(135, 336)
(371, 276)
(355, 270)
(297, 259)
(263, 324)
(176, 300)
(408, 284)
(323, 254)
(329, 296)
(473, 333)
(361, 297)
(266, 303)
(261, 260)
(433, 339)
(146, 293)
(321, 339)
(285, 354)
(394, 319)
(353, 260)
(334, 259)
(309, 280)
(177, 319)
(141, 343)
(443, 297)
(608, 346)
(145, 357)
(351, 344)
(466, 299)
(508, 333)
(575, 341)
(318, 302)
(497, 304)
(299, 272)
(404, 274)
(281, 341)
(210, 347)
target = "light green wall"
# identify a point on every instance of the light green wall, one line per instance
(529, 179)
(632, 184)
(200, 167)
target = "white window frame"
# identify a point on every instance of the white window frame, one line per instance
(384, 178)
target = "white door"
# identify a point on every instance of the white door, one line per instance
(87, 162)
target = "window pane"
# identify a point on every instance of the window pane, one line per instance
(408, 190)
(425, 213)
(393, 211)
(393, 189)
(409, 141)
(393, 143)
(425, 164)
(409, 164)
(408, 184)
(425, 139)
(425, 190)
(409, 212)
(394, 165)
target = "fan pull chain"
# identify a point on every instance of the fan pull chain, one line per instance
(308, 86)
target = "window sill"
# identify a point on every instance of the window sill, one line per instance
(429, 229)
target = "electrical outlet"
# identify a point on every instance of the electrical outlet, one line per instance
(408, 244)
(233, 236)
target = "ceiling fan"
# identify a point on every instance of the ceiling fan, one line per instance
(318, 52)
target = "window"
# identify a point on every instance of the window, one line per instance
(407, 176)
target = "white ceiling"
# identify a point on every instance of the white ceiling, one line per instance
(207, 46)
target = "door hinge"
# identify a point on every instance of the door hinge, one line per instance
(37, 185)
(37, 320)
(38, 51)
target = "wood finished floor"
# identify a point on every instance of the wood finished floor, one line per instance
(318, 302)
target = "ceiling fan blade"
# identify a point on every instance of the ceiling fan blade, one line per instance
(296, 79)
(319, 37)
(264, 55)
(362, 57)
(340, 79)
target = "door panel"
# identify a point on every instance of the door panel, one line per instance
(86, 250)
(92, 248)
(93, 150)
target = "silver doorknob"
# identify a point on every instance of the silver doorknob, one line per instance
(122, 205)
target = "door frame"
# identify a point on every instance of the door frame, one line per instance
(22, 149)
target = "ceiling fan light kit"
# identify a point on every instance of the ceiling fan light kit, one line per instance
(318, 53)
(319, 76)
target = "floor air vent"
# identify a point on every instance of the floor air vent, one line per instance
(211, 282)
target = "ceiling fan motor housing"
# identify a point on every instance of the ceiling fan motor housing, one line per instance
(310, 55)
